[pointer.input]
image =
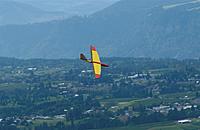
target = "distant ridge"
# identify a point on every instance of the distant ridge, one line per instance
(129, 28)
(12, 12)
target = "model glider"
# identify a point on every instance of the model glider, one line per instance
(95, 60)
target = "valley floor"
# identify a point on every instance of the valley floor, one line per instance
(195, 125)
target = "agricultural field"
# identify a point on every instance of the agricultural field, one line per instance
(63, 94)
(195, 125)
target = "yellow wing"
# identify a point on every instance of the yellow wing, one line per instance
(96, 62)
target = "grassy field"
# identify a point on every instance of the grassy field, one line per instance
(195, 125)
(122, 103)
(51, 121)
(147, 102)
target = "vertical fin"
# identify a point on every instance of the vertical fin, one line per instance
(82, 57)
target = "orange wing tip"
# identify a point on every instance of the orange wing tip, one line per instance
(93, 48)
(97, 76)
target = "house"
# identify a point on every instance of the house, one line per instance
(162, 109)
(184, 121)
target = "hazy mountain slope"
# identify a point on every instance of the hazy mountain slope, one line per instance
(139, 28)
(71, 7)
(19, 13)
(32, 11)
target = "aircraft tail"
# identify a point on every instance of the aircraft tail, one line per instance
(82, 57)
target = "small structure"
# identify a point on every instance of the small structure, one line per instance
(60, 116)
(184, 121)
(162, 109)
(31, 69)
